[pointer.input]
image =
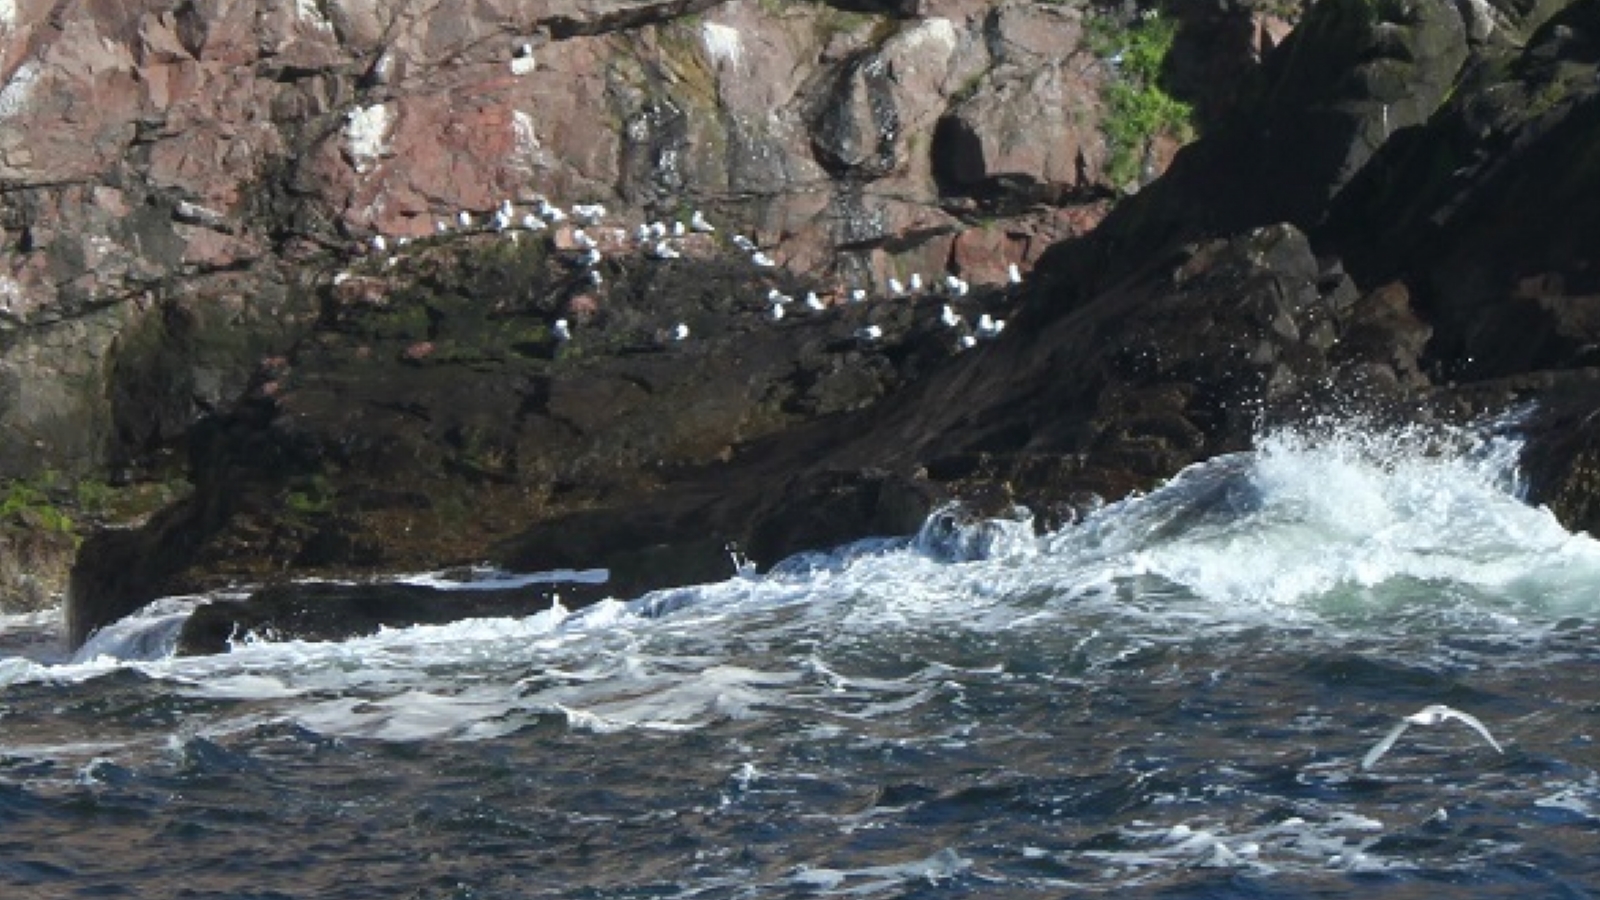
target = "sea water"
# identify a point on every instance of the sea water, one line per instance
(1170, 698)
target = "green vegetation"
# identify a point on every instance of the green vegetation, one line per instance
(1138, 109)
(29, 504)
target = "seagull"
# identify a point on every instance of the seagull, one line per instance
(1013, 274)
(743, 243)
(379, 244)
(465, 218)
(776, 312)
(869, 334)
(916, 283)
(592, 258)
(698, 223)
(502, 220)
(680, 332)
(814, 303)
(595, 278)
(859, 295)
(990, 327)
(967, 342)
(896, 289)
(663, 250)
(678, 230)
(1428, 715)
(582, 239)
(561, 331)
(441, 226)
(532, 222)
(949, 317)
(762, 260)
(642, 233)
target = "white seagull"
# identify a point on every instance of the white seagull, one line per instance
(859, 295)
(762, 260)
(680, 332)
(465, 218)
(1013, 274)
(1428, 715)
(896, 289)
(949, 317)
(379, 244)
(814, 303)
(561, 331)
(743, 243)
(776, 312)
(916, 283)
(869, 334)
(698, 223)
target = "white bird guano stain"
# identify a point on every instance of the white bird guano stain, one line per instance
(15, 95)
(306, 11)
(366, 134)
(723, 44)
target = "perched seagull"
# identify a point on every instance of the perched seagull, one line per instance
(561, 331)
(1013, 274)
(698, 223)
(441, 226)
(678, 230)
(551, 213)
(859, 295)
(664, 250)
(762, 260)
(916, 283)
(502, 220)
(642, 233)
(592, 258)
(949, 317)
(582, 239)
(595, 278)
(379, 244)
(776, 312)
(532, 222)
(956, 286)
(658, 230)
(465, 218)
(680, 332)
(743, 243)
(341, 278)
(1428, 715)
(588, 214)
(814, 303)
(896, 289)
(776, 296)
(990, 328)
(869, 334)
(967, 342)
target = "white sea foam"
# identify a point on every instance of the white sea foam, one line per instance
(1329, 529)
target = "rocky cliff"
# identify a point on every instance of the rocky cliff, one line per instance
(181, 182)
(324, 294)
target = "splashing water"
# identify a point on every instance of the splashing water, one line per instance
(1181, 685)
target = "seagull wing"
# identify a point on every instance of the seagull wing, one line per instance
(1472, 721)
(1382, 747)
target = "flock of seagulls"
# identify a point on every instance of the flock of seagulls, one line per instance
(580, 224)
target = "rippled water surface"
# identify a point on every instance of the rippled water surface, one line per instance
(1172, 699)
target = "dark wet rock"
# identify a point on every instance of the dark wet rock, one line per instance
(314, 611)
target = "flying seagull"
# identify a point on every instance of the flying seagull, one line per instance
(1428, 715)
